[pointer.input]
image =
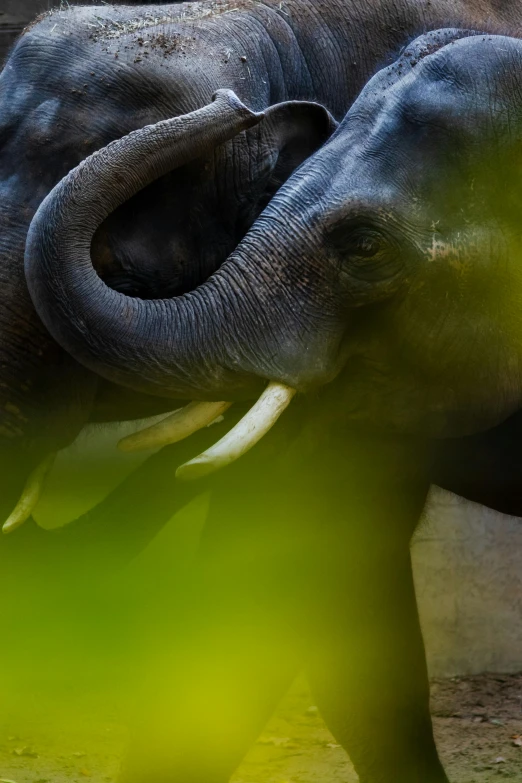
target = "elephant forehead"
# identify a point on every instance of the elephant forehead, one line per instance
(473, 79)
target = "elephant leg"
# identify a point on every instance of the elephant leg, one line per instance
(215, 677)
(207, 700)
(369, 677)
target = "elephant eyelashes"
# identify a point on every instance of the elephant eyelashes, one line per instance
(366, 245)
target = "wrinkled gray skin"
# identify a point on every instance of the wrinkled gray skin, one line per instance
(74, 82)
(383, 270)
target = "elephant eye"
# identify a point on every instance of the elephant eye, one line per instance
(358, 243)
(365, 246)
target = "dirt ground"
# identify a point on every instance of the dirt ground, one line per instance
(478, 725)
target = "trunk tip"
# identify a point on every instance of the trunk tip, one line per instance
(230, 98)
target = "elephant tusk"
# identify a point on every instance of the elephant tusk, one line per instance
(30, 495)
(176, 427)
(247, 432)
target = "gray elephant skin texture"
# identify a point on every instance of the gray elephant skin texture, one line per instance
(352, 234)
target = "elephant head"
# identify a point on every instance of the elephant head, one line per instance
(389, 261)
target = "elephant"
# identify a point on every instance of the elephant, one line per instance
(303, 64)
(299, 239)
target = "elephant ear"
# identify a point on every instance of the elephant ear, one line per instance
(294, 131)
(290, 133)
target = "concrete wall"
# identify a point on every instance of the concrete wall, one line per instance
(468, 573)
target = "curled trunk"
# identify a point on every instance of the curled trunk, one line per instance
(172, 347)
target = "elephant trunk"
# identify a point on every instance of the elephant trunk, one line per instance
(250, 323)
(173, 347)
